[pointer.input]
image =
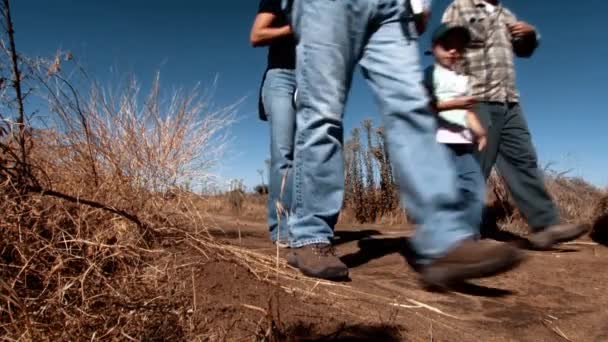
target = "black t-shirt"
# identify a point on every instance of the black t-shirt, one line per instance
(282, 51)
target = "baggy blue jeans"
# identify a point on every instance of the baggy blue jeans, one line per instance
(333, 36)
(277, 97)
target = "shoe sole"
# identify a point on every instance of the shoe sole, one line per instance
(449, 275)
(548, 238)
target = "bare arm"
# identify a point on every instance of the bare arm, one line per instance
(463, 102)
(477, 128)
(262, 32)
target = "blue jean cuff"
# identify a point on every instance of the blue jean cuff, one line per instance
(302, 243)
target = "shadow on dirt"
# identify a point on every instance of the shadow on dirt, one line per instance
(375, 248)
(303, 332)
(342, 237)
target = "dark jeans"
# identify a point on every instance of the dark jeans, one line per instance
(510, 148)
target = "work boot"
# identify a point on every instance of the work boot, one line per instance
(546, 238)
(318, 261)
(470, 260)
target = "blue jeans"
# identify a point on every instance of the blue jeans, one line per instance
(277, 96)
(333, 37)
(470, 181)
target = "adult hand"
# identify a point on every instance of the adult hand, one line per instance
(482, 141)
(521, 28)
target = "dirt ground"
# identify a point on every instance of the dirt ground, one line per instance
(554, 296)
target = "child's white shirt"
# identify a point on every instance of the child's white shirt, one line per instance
(453, 123)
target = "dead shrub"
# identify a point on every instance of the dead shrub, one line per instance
(379, 191)
(571, 196)
(235, 200)
(88, 217)
(370, 190)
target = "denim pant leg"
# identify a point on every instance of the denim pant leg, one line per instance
(423, 169)
(492, 119)
(325, 58)
(518, 165)
(277, 95)
(470, 180)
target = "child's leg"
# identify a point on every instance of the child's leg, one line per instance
(470, 182)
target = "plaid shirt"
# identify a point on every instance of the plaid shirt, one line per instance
(489, 58)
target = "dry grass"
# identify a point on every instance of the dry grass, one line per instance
(93, 211)
(70, 272)
(87, 234)
(572, 196)
(248, 206)
(371, 193)
(391, 218)
(95, 216)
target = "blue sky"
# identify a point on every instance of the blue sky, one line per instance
(564, 86)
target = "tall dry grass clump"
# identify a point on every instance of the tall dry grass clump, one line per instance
(574, 198)
(370, 191)
(90, 201)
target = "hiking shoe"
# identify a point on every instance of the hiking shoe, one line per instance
(552, 235)
(318, 261)
(470, 260)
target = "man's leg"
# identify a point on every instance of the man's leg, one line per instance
(423, 170)
(325, 60)
(277, 95)
(517, 163)
(426, 177)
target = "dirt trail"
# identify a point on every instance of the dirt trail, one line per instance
(559, 295)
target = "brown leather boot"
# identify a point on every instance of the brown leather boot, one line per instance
(552, 235)
(470, 260)
(318, 261)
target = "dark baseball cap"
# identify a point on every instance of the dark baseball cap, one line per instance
(445, 29)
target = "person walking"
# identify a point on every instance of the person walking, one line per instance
(271, 29)
(496, 37)
(381, 36)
